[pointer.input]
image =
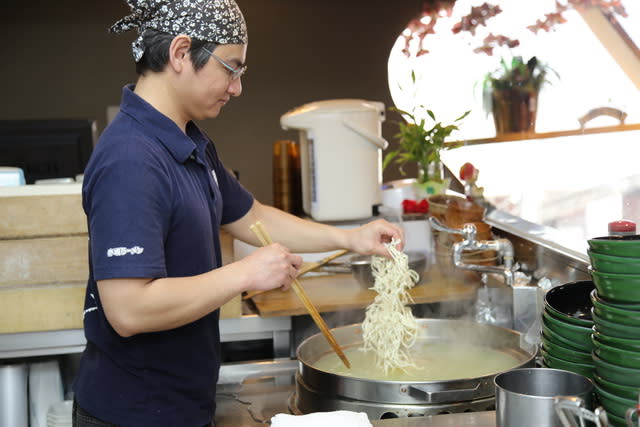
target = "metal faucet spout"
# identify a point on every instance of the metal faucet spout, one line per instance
(469, 243)
(502, 246)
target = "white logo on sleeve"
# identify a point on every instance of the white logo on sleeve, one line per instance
(136, 250)
(90, 309)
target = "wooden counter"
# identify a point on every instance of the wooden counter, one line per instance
(338, 292)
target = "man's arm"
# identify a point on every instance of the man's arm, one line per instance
(301, 235)
(134, 306)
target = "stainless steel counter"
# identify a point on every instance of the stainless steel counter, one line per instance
(68, 341)
(478, 419)
(250, 393)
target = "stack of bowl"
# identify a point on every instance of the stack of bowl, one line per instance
(567, 328)
(615, 269)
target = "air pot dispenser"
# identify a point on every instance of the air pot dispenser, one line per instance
(341, 157)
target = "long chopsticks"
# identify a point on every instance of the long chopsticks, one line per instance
(305, 269)
(260, 232)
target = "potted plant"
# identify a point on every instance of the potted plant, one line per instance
(511, 93)
(421, 144)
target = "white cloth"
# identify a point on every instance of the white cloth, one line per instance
(322, 419)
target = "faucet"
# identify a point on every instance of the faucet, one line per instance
(469, 242)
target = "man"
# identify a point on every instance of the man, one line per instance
(156, 194)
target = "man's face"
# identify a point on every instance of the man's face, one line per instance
(211, 87)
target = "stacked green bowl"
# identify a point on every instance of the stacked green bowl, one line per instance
(615, 270)
(615, 267)
(567, 327)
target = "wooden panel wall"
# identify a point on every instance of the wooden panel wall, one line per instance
(44, 259)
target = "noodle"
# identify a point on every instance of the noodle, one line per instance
(389, 329)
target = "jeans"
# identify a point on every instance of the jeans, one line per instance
(81, 418)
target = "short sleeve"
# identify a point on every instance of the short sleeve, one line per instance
(128, 211)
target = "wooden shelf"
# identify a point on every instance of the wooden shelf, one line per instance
(524, 136)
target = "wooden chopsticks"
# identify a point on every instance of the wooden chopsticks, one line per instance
(260, 232)
(304, 269)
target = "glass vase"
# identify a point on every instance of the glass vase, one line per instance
(430, 180)
(433, 171)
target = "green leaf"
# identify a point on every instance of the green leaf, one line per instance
(466, 113)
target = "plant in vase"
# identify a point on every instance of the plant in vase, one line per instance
(511, 93)
(422, 144)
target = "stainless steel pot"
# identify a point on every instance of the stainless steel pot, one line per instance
(526, 397)
(318, 390)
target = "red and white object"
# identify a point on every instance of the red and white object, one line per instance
(622, 228)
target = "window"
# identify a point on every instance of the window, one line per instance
(449, 77)
(576, 184)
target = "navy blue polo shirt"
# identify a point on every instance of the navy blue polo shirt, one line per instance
(154, 199)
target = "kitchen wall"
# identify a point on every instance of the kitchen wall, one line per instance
(59, 61)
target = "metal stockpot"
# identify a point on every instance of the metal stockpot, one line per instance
(318, 390)
(527, 397)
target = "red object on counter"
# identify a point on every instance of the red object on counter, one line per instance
(622, 228)
(411, 206)
(466, 171)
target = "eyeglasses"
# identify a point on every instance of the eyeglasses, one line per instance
(235, 73)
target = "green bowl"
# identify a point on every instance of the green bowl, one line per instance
(628, 246)
(616, 315)
(551, 336)
(624, 391)
(612, 403)
(623, 343)
(615, 421)
(578, 346)
(580, 335)
(571, 302)
(551, 361)
(617, 356)
(565, 353)
(622, 305)
(617, 374)
(614, 329)
(614, 264)
(622, 288)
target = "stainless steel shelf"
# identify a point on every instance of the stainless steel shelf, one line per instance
(46, 343)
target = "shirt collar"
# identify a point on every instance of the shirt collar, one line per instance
(164, 129)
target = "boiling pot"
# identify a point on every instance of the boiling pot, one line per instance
(318, 390)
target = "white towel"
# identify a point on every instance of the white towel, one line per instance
(322, 419)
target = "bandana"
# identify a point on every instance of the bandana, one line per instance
(217, 21)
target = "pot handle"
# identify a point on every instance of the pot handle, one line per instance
(628, 416)
(422, 392)
(376, 140)
(569, 407)
(602, 111)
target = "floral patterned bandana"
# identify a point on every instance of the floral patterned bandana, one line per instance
(217, 21)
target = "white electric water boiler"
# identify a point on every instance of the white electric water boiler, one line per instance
(341, 157)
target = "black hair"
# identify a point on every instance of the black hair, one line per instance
(156, 52)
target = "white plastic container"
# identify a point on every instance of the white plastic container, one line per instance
(45, 389)
(341, 157)
(60, 414)
(14, 407)
(11, 176)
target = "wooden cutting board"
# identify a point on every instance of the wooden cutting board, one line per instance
(343, 292)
